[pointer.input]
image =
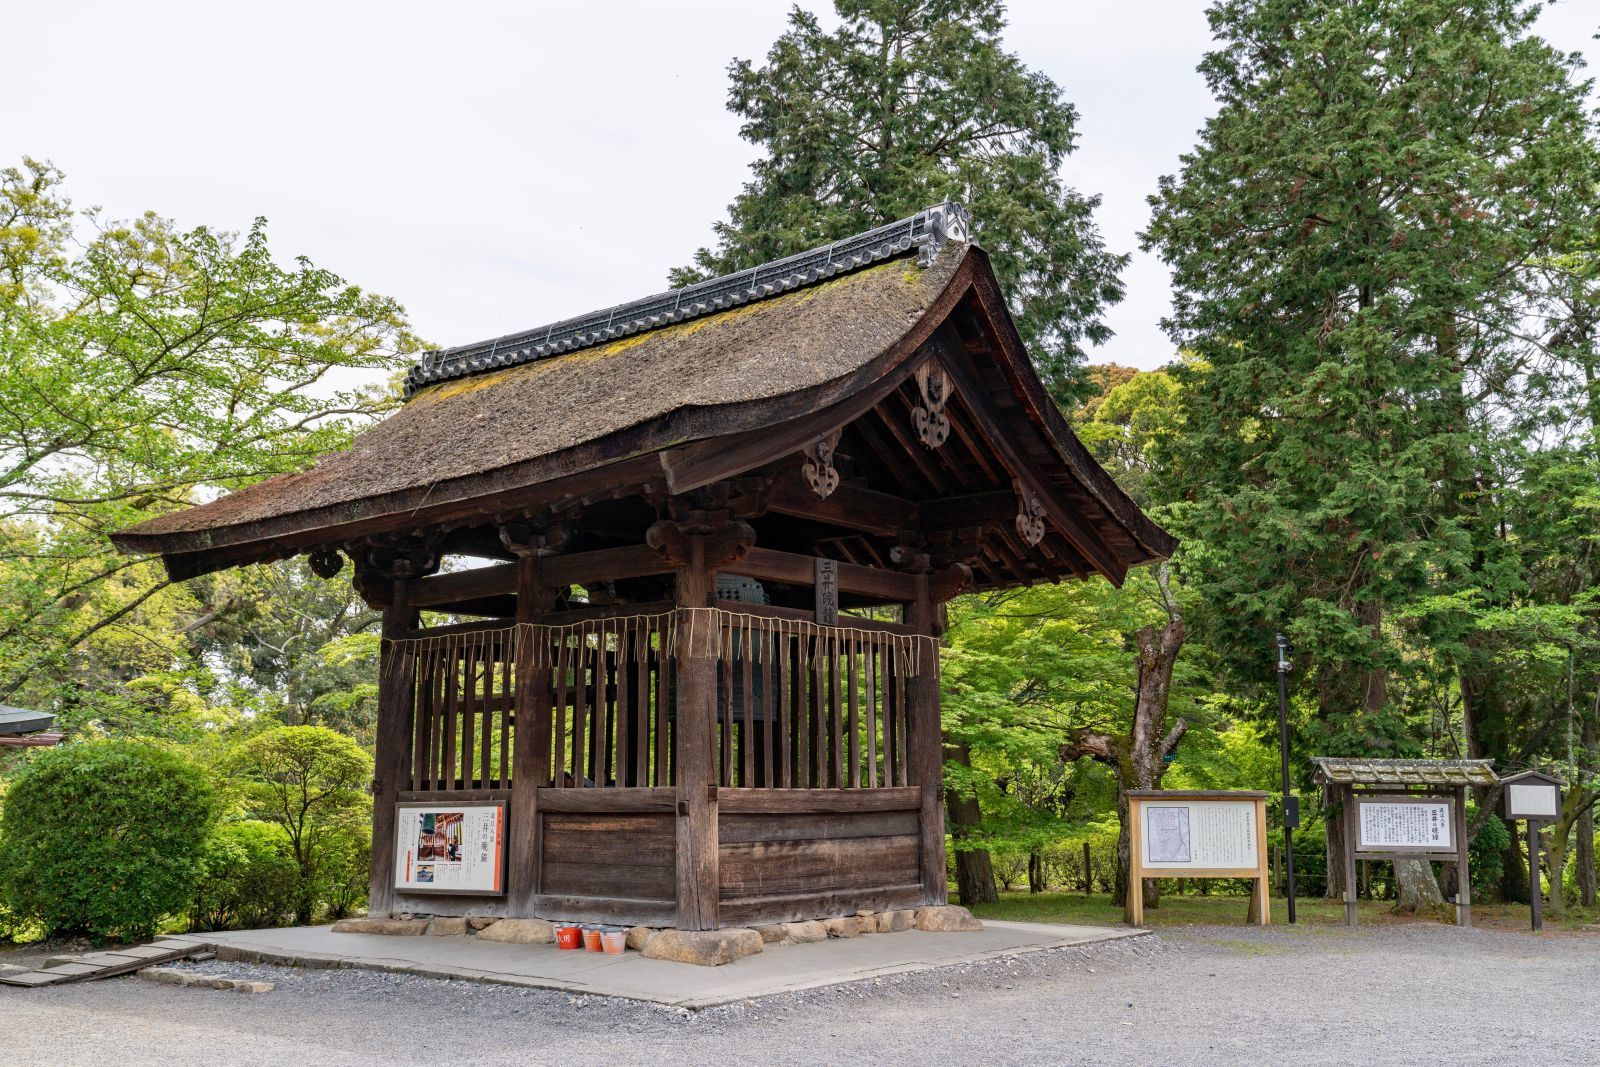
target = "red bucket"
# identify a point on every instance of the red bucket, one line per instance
(569, 937)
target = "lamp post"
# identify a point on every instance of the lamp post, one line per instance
(1291, 803)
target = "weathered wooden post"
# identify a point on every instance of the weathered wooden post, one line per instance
(1088, 872)
(530, 750)
(395, 690)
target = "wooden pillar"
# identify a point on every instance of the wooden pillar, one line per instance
(1133, 900)
(1352, 831)
(927, 742)
(1463, 871)
(696, 678)
(396, 685)
(530, 746)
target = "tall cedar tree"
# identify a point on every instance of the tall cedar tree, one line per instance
(1362, 246)
(909, 103)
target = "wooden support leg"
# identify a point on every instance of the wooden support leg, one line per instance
(1133, 906)
(395, 705)
(696, 712)
(530, 748)
(927, 745)
(1463, 868)
(1351, 830)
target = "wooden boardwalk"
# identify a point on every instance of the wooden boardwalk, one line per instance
(93, 965)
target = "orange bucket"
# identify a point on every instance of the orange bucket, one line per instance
(591, 939)
(569, 937)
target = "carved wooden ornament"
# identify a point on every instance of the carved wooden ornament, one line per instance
(932, 424)
(818, 469)
(1030, 517)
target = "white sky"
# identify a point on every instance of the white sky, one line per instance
(496, 166)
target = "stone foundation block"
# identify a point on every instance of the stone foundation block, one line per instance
(520, 932)
(946, 918)
(804, 933)
(846, 926)
(639, 937)
(894, 922)
(705, 948)
(448, 926)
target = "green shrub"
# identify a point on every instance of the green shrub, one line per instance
(249, 878)
(345, 875)
(103, 838)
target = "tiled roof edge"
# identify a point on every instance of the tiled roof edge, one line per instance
(927, 231)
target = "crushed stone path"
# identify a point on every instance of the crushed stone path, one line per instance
(1418, 994)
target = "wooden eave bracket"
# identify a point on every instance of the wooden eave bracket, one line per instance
(928, 417)
(818, 468)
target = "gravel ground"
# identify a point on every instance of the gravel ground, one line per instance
(1419, 994)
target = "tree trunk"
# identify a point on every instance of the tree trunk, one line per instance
(1513, 870)
(1333, 823)
(1583, 856)
(1578, 802)
(974, 871)
(1138, 758)
(1035, 872)
(1418, 888)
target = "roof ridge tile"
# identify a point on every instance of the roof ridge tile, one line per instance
(927, 231)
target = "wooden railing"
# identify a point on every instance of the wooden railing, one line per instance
(799, 705)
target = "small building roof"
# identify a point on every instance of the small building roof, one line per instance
(1336, 770)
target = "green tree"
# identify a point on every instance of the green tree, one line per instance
(142, 366)
(906, 104)
(311, 782)
(1366, 247)
(104, 838)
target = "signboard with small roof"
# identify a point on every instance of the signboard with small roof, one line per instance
(1396, 809)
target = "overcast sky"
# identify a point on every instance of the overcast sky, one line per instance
(496, 166)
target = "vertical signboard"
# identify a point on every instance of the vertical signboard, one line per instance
(827, 592)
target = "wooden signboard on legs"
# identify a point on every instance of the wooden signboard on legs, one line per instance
(1197, 833)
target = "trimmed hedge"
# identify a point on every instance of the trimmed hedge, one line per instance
(104, 838)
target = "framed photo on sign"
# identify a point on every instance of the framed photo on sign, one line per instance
(450, 848)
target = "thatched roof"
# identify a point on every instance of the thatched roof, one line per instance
(1334, 770)
(487, 425)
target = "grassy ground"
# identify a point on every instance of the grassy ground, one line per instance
(1209, 910)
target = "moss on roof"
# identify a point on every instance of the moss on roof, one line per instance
(471, 426)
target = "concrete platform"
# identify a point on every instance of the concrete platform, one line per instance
(778, 969)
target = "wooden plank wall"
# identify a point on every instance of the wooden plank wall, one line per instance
(791, 855)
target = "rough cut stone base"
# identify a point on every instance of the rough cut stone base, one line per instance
(639, 937)
(846, 926)
(397, 927)
(520, 932)
(894, 922)
(447, 926)
(946, 918)
(804, 933)
(705, 948)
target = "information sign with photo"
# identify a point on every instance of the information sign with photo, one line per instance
(445, 848)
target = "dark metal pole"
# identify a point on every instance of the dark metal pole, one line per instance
(1535, 894)
(1291, 803)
